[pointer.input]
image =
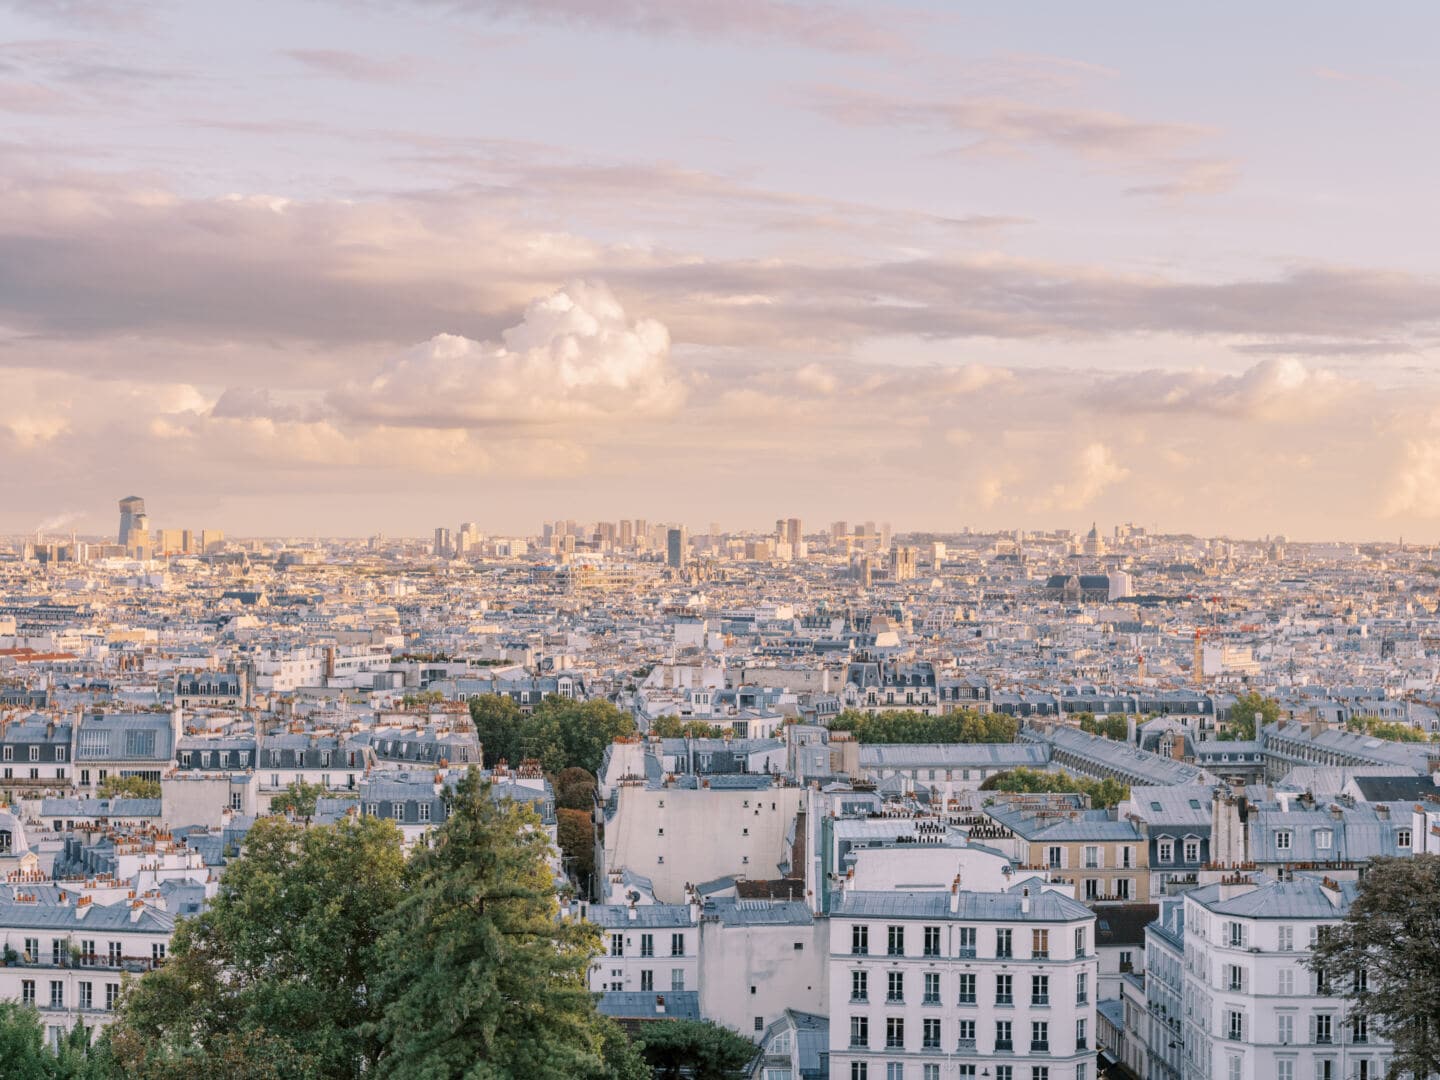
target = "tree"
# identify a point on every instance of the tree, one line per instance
(277, 972)
(577, 733)
(574, 789)
(908, 726)
(499, 725)
(298, 799)
(696, 1049)
(1392, 934)
(576, 836)
(1101, 793)
(1384, 729)
(1242, 716)
(477, 974)
(22, 1043)
(128, 787)
(677, 727)
(1109, 726)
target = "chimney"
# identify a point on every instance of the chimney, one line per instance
(1025, 900)
(955, 895)
(631, 913)
(136, 907)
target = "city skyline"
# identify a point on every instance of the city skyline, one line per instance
(332, 270)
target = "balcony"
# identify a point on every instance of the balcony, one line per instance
(860, 999)
(859, 1042)
(1040, 1001)
(930, 999)
(1040, 954)
(966, 953)
(1039, 1046)
(1004, 1045)
(966, 999)
(968, 1045)
(1004, 999)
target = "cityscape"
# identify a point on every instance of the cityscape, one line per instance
(719, 540)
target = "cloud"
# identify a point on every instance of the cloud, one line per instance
(1275, 389)
(817, 25)
(573, 357)
(343, 64)
(1414, 487)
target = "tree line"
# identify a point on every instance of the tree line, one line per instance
(329, 955)
(909, 726)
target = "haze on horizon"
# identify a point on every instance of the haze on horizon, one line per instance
(311, 267)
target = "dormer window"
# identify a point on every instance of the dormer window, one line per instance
(1282, 840)
(1324, 838)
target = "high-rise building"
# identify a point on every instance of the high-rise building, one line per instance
(792, 532)
(675, 547)
(839, 530)
(627, 533)
(132, 518)
(443, 545)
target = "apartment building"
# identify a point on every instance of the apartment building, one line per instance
(1104, 858)
(1252, 1008)
(940, 985)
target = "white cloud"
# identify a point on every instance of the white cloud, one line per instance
(574, 356)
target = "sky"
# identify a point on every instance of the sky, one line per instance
(314, 267)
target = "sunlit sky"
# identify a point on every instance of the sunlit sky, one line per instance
(309, 267)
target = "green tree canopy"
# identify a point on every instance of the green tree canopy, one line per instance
(1110, 726)
(1242, 716)
(128, 787)
(278, 970)
(478, 976)
(696, 1049)
(574, 789)
(1102, 793)
(299, 799)
(677, 727)
(559, 733)
(1393, 730)
(575, 833)
(1392, 934)
(906, 726)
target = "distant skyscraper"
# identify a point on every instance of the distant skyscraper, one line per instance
(132, 518)
(443, 545)
(793, 532)
(675, 545)
(839, 530)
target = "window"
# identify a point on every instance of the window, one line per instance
(647, 944)
(1082, 988)
(1127, 857)
(1236, 934)
(157, 952)
(647, 980)
(112, 993)
(932, 1072)
(677, 944)
(617, 944)
(113, 953)
(87, 995)
(1039, 1072)
(859, 1070)
(34, 753)
(1402, 838)
(424, 810)
(1324, 839)
(759, 1023)
(57, 994)
(1282, 840)
(1234, 978)
(1054, 858)
(1092, 888)
(930, 1033)
(860, 940)
(1284, 1069)
(7, 753)
(1360, 1030)
(185, 759)
(1080, 941)
(932, 941)
(27, 992)
(1040, 944)
(1286, 939)
(1039, 989)
(1122, 888)
(895, 986)
(1192, 850)
(859, 1031)
(1285, 1028)
(1003, 1039)
(967, 1034)
(859, 986)
(87, 952)
(1286, 981)
(677, 978)
(967, 942)
(1004, 992)
(896, 941)
(932, 988)
(894, 1070)
(1003, 947)
(1232, 1067)
(1080, 1034)
(1004, 1072)
(967, 988)
(1324, 1032)
(1039, 1036)
(1235, 1025)
(1092, 857)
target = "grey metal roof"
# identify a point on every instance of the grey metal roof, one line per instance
(1302, 898)
(953, 755)
(644, 1005)
(1045, 906)
(758, 912)
(647, 916)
